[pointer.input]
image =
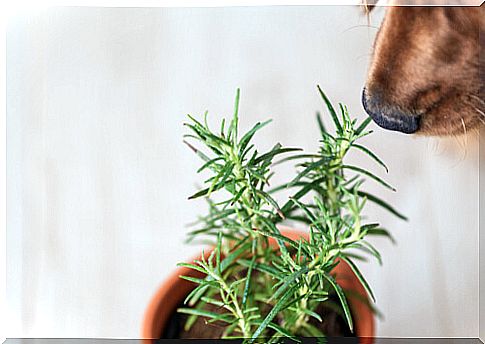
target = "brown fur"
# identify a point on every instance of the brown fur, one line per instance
(427, 66)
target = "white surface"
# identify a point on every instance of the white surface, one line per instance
(481, 281)
(98, 176)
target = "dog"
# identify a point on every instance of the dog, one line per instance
(427, 73)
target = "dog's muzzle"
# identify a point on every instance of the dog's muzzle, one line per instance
(388, 118)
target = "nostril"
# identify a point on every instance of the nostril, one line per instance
(389, 117)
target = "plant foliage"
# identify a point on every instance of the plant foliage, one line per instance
(273, 290)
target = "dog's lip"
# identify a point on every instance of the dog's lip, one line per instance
(434, 105)
(404, 123)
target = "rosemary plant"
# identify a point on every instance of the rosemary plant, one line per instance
(262, 283)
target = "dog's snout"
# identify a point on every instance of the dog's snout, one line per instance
(388, 117)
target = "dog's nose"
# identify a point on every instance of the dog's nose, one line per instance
(389, 117)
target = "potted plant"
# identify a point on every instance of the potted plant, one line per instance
(260, 280)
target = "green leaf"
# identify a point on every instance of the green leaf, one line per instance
(287, 282)
(373, 250)
(197, 125)
(343, 114)
(271, 201)
(310, 168)
(196, 294)
(209, 163)
(250, 310)
(369, 174)
(238, 195)
(366, 247)
(282, 331)
(193, 279)
(381, 232)
(247, 137)
(196, 151)
(311, 314)
(333, 114)
(236, 283)
(296, 157)
(279, 330)
(356, 256)
(321, 126)
(212, 301)
(224, 173)
(192, 318)
(193, 267)
(234, 254)
(206, 314)
(381, 203)
(364, 124)
(214, 187)
(199, 193)
(265, 268)
(314, 331)
(276, 234)
(300, 193)
(368, 226)
(275, 151)
(223, 123)
(246, 151)
(343, 300)
(274, 311)
(208, 137)
(372, 155)
(229, 329)
(190, 322)
(218, 252)
(232, 131)
(359, 276)
(248, 276)
(305, 209)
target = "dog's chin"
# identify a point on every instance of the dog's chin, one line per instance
(443, 121)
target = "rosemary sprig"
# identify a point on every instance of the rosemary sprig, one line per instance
(262, 290)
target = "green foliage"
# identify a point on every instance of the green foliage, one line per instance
(264, 290)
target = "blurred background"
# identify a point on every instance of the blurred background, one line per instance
(98, 176)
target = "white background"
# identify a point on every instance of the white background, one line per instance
(98, 176)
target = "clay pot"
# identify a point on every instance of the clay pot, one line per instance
(174, 290)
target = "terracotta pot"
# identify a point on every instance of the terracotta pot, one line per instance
(174, 290)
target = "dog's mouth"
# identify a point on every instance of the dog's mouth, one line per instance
(453, 114)
(391, 119)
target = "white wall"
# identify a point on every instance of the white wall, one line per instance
(481, 281)
(98, 176)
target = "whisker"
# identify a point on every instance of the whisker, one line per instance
(480, 111)
(361, 25)
(463, 124)
(477, 98)
(481, 116)
(469, 102)
(463, 140)
(360, 57)
(481, 120)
